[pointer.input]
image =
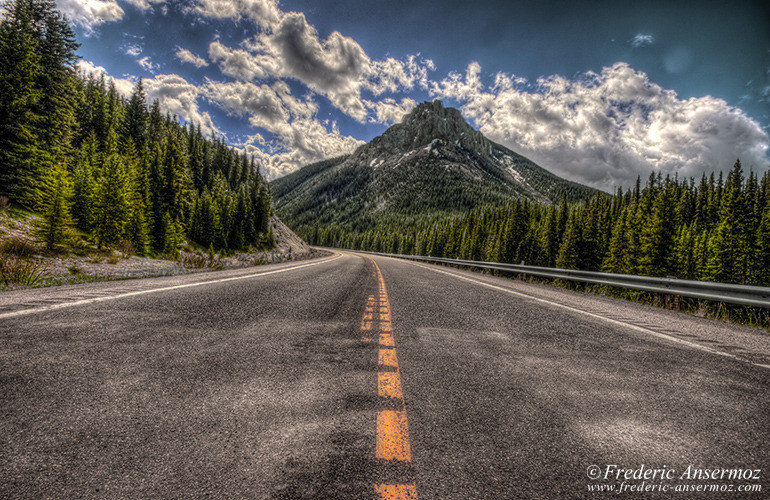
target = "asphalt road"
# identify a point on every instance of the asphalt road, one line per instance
(342, 378)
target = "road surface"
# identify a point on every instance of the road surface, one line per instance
(367, 377)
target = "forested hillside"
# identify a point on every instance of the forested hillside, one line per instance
(120, 171)
(717, 230)
(431, 165)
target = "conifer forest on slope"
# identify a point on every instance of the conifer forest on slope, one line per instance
(84, 157)
(717, 229)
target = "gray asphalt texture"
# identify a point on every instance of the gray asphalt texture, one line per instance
(263, 388)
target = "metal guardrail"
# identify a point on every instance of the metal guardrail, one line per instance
(746, 295)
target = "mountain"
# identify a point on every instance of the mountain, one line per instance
(431, 164)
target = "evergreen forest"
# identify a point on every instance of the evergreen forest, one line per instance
(112, 168)
(716, 229)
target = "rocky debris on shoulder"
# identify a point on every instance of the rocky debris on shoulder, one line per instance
(288, 246)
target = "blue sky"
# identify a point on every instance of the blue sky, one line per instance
(597, 92)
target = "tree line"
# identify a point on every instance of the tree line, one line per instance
(717, 229)
(119, 170)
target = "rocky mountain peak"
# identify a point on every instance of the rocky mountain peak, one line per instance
(432, 162)
(428, 122)
(431, 120)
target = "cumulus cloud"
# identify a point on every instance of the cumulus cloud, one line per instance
(264, 13)
(288, 47)
(239, 63)
(260, 103)
(147, 64)
(143, 4)
(179, 97)
(605, 129)
(124, 86)
(90, 13)
(133, 50)
(642, 39)
(388, 111)
(392, 75)
(185, 55)
(300, 137)
(334, 67)
(310, 141)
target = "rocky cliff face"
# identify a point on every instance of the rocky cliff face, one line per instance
(426, 123)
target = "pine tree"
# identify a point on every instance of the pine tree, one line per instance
(21, 150)
(84, 183)
(136, 116)
(656, 237)
(763, 249)
(57, 82)
(111, 210)
(136, 230)
(615, 262)
(568, 253)
(55, 202)
(729, 247)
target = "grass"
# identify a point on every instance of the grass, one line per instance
(26, 263)
(720, 311)
(15, 270)
(19, 247)
(199, 261)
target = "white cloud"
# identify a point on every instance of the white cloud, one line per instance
(147, 64)
(388, 111)
(310, 142)
(334, 67)
(133, 50)
(179, 97)
(300, 137)
(260, 103)
(239, 63)
(264, 13)
(642, 39)
(185, 55)
(392, 75)
(605, 129)
(90, 13)
(144, 4)
(288, 47)
(124, 86)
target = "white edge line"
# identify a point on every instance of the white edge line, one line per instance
(63, 305)
(596, 316)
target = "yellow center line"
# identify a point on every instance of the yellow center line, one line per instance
(388, 358)
(397, 491)
(393, 436)
(389, 385)
(386, 340)
(392, 428)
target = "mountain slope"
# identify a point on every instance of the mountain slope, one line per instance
(433, 162)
